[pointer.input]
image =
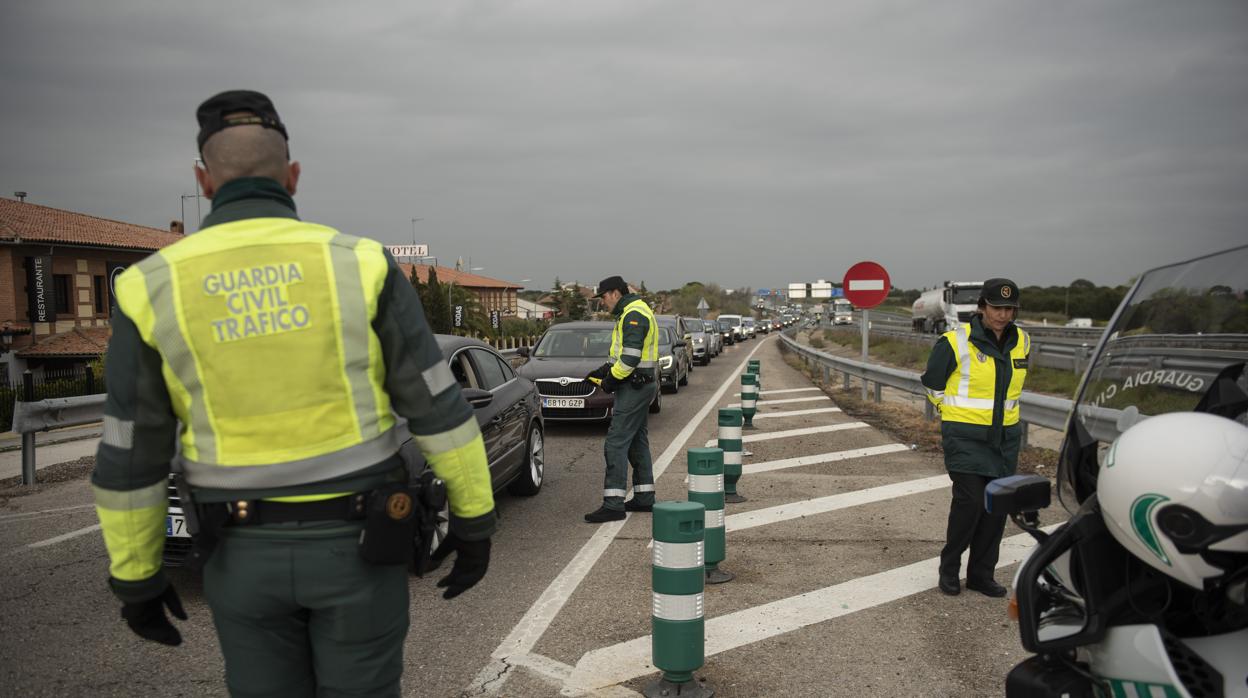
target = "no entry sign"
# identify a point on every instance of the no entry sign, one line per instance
(866, 284)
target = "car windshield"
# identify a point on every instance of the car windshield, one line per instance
(726, 324)
(1174, 333)
(579, 343)
(843, 306)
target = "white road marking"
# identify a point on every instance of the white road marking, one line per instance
(792, 399)
(796, 413)
(44, 512)
(608, 666)
(787, 433)
(67, 536)
(821, 505)
(787, 390)
(541, 614)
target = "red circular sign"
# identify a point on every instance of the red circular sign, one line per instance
(866, 285)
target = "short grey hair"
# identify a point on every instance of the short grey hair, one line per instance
(246, 151)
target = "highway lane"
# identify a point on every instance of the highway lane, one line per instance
(62, 634)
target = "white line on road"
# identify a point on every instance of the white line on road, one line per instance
(44, 512)
(796, 413)
(67, 536)
(792, 399)
(608, 666)
(787, 433)
(821, 505)
(787, 390)
(542, 613)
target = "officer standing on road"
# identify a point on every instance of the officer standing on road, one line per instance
(975, 378)
(277, 353)
(631, 376)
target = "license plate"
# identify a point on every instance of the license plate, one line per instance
(175, 527)
(574, 403)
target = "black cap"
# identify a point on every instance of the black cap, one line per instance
(611, 283)
(1000, 292)
(212, 114)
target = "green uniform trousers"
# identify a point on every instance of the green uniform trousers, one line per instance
(628, 441)
(298, 613)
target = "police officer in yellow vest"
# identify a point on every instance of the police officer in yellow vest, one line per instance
(631, 376)
(975, 378)
(282, 357)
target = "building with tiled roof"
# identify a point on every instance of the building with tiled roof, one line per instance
(56, 268)
(493, 294)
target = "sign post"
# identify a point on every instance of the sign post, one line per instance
(866, 285)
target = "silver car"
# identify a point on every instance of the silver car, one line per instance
(715, 339)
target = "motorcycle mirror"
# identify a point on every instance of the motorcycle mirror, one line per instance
(1017, 494)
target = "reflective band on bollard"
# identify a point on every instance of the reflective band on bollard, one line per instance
(730, 443)
(706, 486)
(749, 395)
(677, 626)
(756, 367)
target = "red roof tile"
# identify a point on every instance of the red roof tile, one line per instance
(461, 278)
(23, 222)
(81, 341)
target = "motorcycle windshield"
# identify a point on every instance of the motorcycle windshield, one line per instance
(1174, 333)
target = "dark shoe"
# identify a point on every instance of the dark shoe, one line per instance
(950, 585)
(603, 514)
(987, 588)
(632, 505)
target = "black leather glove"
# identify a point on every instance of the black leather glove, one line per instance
(601, 372)
(470, 564)
(610, 383)
(148, 620)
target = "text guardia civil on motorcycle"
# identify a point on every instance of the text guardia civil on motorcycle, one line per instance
(1142, 591)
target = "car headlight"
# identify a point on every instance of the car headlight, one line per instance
(697, 340)
(665, 362)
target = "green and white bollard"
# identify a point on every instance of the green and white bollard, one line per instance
(749, 398)
(756, 367)
(677, 627)
(730, 443)
(706, 486)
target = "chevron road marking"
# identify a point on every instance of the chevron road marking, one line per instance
(786, 390)
(792, 399)
(795, 413)
(608, 666)
(796, 432)
(822, 505)
(799, 461)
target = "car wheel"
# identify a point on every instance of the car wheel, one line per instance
(685, 379)
(674, 385)
(442, 528)
(529, 481)
(656, 405)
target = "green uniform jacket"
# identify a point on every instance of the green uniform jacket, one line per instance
(138, 396)
(986, 450)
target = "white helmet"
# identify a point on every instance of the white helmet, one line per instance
(1173, 490)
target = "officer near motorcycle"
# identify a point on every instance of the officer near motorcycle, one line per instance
(631, 376)
(282, 357)
(975, 377)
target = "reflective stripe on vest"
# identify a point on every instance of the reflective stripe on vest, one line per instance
(970, 392)
(649, 352)
(265, 329)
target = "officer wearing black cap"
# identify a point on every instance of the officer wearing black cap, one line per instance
(630, 374)
(975, 377)
(276, 354)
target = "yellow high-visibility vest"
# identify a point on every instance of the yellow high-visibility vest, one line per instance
(971, 389)
(264, 327)
(649, 352)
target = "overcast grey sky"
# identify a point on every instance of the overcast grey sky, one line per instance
(738, 142)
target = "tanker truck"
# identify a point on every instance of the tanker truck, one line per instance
(946, 305)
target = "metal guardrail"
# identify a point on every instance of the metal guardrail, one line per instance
(1041, 410)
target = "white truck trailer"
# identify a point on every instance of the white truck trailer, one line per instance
(944, 306)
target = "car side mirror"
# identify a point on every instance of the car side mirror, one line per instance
(1017, 494)
(680, 344)
(477, 397)
(522, 351)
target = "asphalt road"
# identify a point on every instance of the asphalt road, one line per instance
(833, 596)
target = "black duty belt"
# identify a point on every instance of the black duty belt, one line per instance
(256, 512)
(640, 378)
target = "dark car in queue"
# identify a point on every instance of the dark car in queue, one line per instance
(727, 330)
(509, 413)
(674, 359)
(558, 363)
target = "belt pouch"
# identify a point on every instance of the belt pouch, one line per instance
(389, 526)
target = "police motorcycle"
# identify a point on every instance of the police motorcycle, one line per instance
(1141, 592)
